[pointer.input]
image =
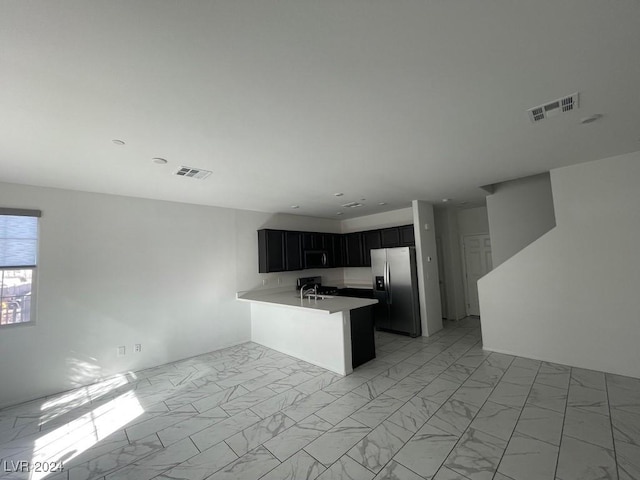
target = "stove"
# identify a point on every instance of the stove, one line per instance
(308, 282)
(327, 290)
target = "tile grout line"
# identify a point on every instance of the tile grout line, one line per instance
(381, 374)
(479, 409)
(518, 420)
(414, 434)
(438, 376)
(613, 438)
(564, 420)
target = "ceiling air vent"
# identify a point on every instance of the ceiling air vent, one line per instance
(561, 105)
(352, 205)
(196, 173)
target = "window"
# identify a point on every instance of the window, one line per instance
(18, 263)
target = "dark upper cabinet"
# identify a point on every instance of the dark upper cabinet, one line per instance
(320, 242)
(311, 241)
(390, 237)
(370, 240)
(327, 244)
(317, 241)
(271, 251)
(353, 250)
(407, 235)
(284, 250)
(293, 250)
(338, 250)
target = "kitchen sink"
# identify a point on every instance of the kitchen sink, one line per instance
(316, 297)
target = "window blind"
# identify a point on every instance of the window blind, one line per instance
(18, 238)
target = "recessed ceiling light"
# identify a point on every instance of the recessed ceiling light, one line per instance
(159, 161)
(590, 119)
(117, 142)
(338, 194)
(295, 206)
(382, 203)
(445, 200)
(339, 213)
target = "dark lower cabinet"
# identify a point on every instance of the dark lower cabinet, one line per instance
(363, 346)
(355, 292)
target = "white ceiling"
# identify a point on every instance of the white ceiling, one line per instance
(290, 101)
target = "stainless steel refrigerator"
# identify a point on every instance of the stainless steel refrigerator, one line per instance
(395, 286)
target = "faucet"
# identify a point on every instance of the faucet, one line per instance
(303, 292)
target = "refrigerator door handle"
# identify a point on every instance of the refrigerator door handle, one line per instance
(389, 292)
(386, 281)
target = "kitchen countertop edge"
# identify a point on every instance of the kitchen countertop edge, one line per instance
(289, 299)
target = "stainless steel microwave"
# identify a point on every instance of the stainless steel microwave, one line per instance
(316, 259)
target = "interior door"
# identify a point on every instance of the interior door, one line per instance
(401, 291)
(477, 262)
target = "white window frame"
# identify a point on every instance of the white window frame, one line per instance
(34, 268)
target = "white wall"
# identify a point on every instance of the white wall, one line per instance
(520, 211)
(472, 221)
(448, 232)
(429, 289)
(118, 271)
(393, 218)
(572, 296)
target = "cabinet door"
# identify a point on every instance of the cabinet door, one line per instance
(370, 240)
(362, 336)
(271, 251)
(353, 250)
(335, 248)
(293, 250)
(326, 244)
(316, 241)
(407, 236)
(390, 237)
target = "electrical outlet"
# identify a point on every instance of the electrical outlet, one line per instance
(122, 351)
(279, 281)
(264, 281)
(137, 347)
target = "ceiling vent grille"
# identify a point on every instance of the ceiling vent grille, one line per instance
(352, 205)
(561, 105)
(197, 173)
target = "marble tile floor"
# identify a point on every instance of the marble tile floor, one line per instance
(436, 408)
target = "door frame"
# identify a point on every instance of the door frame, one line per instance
(464, 266)
(442, 286)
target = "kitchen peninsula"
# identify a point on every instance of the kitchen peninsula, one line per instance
(322, 331)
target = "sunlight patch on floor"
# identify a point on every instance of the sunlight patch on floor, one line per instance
(62, 404)
(75, 437)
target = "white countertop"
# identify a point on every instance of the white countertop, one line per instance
(291, 299)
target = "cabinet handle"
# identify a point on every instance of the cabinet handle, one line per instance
(324, 259)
